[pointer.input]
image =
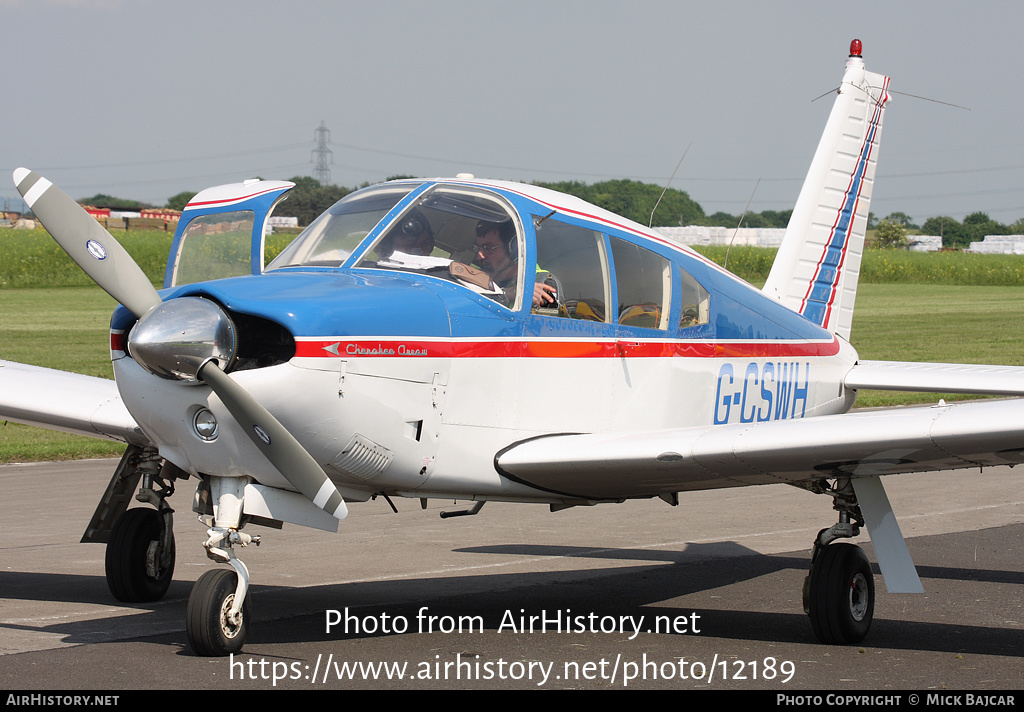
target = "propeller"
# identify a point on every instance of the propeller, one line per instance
(89, 245)
(101, 257)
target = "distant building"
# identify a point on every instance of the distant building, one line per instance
(701, 235)
(276, 221)
(100, 214)
(771, 237)
(104, 214)
(999, 245)
(165, 214)
(925, 243)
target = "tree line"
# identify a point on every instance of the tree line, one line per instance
(630, 199)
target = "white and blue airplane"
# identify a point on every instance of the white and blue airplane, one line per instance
(487, 340)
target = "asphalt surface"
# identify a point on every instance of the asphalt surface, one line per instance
(453, 600)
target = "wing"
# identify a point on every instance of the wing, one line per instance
(71, 402)
(883, 442)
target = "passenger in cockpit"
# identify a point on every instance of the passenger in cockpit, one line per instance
(412, 236)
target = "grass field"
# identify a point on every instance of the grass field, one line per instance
(891, 266)
(66, 328)
(31, 258)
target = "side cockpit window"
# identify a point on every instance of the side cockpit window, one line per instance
(571, 279)
(460, 234)
(214, 246)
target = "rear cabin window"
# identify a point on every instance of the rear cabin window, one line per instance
(696, 302)
(644, 283)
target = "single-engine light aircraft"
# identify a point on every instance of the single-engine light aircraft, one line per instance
(400, 344)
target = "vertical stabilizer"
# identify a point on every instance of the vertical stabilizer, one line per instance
(818, 265)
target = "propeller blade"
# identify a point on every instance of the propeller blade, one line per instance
(89, 245)
(275, 442)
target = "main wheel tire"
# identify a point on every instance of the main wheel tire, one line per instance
(841, 597)
(210, 633)
(128, 550)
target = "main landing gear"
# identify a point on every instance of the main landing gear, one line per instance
(839, 591)
(139, 559)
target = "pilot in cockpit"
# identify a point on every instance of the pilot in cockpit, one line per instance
(497, 252)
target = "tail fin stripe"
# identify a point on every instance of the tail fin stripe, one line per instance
(821, 292)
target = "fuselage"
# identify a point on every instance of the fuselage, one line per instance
(405, 379)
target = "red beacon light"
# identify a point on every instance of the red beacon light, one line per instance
(856, 48)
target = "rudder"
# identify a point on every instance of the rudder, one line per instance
(818, 265)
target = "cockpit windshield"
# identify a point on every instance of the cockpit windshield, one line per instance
(334, 236)
(457, 233)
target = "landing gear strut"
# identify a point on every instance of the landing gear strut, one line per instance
(219, 611)
(839, 591)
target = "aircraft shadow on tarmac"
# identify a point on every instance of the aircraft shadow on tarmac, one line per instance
(716, 577)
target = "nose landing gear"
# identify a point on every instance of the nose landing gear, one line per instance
(219, 609)
(214, 628)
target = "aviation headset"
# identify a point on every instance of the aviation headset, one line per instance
(415, 224)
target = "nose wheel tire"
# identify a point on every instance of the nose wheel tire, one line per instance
(134, 555)
(211, 630)
(841, 595)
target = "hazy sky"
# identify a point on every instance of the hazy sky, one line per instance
(144, 99)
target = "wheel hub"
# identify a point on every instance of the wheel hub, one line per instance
(229, 624)
(859, 598)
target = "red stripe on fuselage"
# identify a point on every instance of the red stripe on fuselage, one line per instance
(545, 348)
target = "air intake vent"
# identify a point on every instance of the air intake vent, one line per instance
(362, 458)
